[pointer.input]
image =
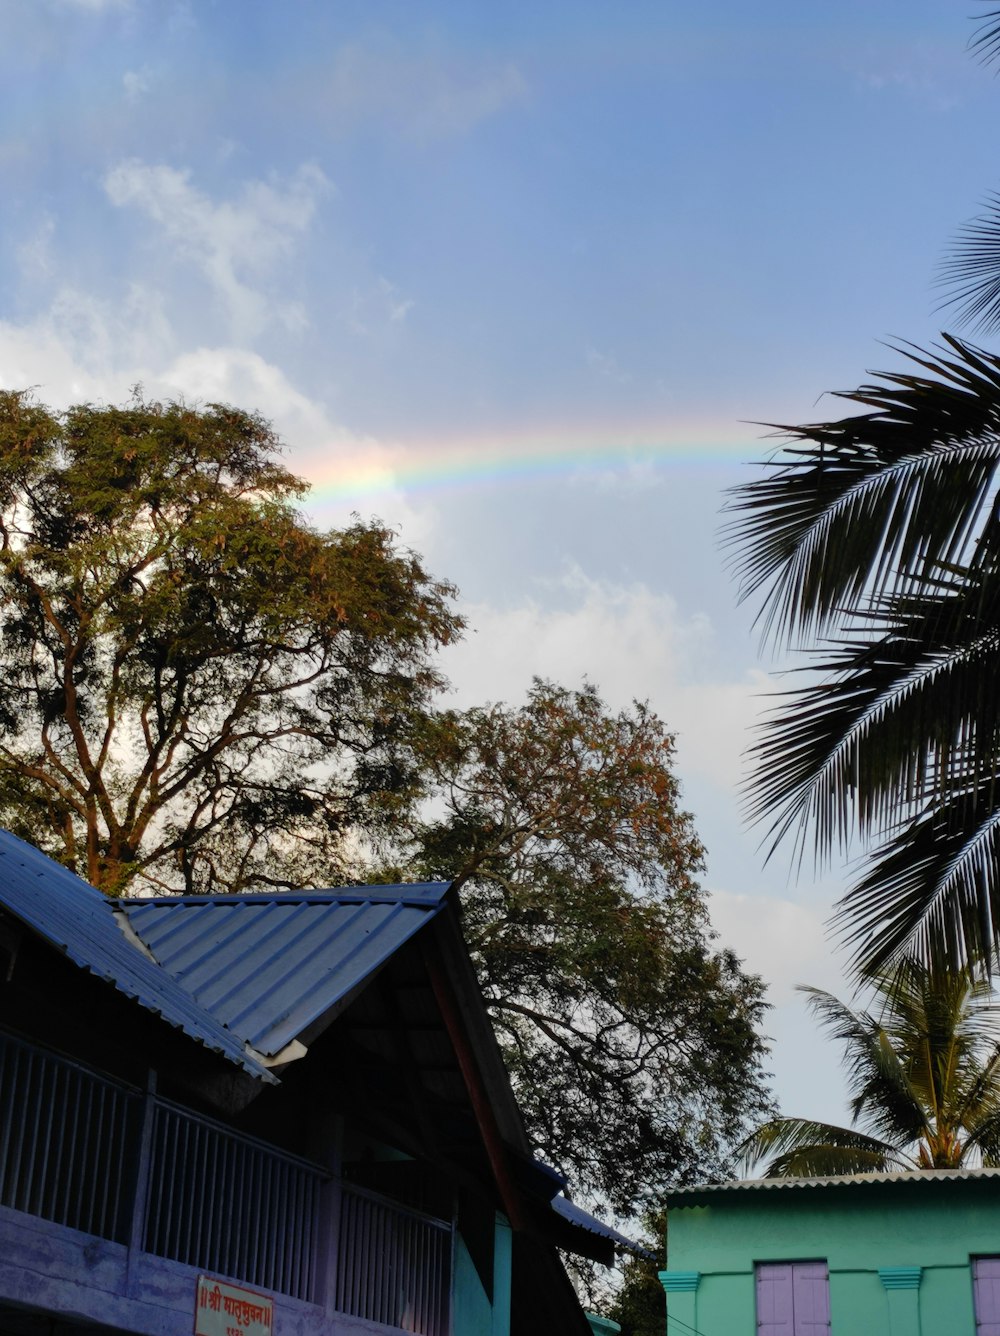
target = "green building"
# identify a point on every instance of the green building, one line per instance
(905, 1254)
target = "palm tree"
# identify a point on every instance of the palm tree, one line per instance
(878, 535)
(972, 272)
(926, 1072)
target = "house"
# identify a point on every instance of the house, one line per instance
(263, 1115)
(899, 1254)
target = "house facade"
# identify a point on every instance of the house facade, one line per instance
(904, 1254)
(279, 1115)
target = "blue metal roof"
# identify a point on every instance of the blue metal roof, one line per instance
(576, 1215)
(268, 966)
(81, 923)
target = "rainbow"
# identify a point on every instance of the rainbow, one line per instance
(356, 471)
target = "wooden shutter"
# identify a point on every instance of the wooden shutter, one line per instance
(793, 1299)
(811, 1294)
(986, 1295)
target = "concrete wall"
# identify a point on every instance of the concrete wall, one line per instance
(898, 1254)
(50, 1269)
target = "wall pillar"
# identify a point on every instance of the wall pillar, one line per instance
(902, 1293)
(682, 1301)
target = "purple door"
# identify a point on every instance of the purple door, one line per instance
(986, 1295)
(793, 1299)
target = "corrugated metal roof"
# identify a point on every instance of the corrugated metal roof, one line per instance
(268, 966)
(576, 1215)
(81, 923)
(682, 1196)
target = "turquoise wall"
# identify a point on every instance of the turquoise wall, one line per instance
(898, 1253)
(472, 1312)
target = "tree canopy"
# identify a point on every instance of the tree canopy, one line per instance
(632, 1043)
(924, 1069)
(201, 693)
(197, 690)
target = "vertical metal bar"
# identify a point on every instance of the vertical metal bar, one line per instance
(242, 1236)
(41, 1157)
(227, 1185)
(32, 1156)
(144, 1159)
(18, 1157)
(8, 1092)
(189, 1197)
(74, 1136)
(57, 1139)
(212, 1201)
(106, 1157)
(168, 1185)
(94, 1166)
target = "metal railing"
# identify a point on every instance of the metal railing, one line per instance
(78, 1148)
(232, 1205)
(394, 1264)
(68, 1141)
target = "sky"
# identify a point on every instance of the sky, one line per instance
(519, 279)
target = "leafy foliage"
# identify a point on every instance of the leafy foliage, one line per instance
(199, 692)
(638, 1304)
(925, 1070)
(881, 533)
(632, 1045)
(196, 689)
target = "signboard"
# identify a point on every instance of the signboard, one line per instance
(222, 1309)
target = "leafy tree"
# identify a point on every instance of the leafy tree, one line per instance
(632, 1044)
(925, 1070)
(197, 691)
(880, 532)
(638, 1304)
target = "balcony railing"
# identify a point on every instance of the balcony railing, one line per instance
(68, 1140)
(231, 1205)
(395, 1265)
(103, 1157)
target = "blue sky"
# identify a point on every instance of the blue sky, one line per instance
(517, 278)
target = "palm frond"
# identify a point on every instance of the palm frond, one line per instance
(867, 506)
(924, 1068)
(883, 1093)
(801, 1147)
(907, 713)
(971, 271)
(985, 41)
(934, 891)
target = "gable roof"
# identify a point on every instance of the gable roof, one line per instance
(80, 922)
(270, 967)
(245, 975)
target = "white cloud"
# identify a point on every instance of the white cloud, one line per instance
(135, 83)
(781, 939)
(607, 367)
(85, 349)
(34, 255)
(426, 96)
(632, 643)
(236, 244)
(374, 308)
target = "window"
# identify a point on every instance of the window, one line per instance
(986, 1295)
(793, 1299)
